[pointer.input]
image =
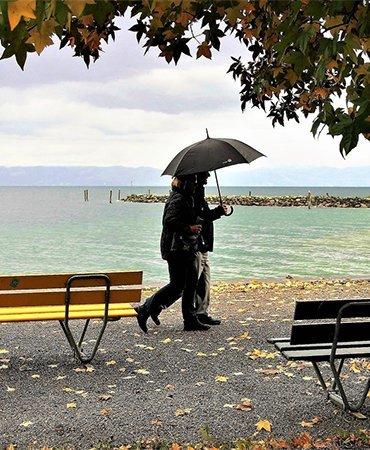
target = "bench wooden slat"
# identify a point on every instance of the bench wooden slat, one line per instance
(57, 298)
(74, 314)
(282, 346)
(324, 332)
(55, 281)
(56, 308)
(324, 354)
(328, 309)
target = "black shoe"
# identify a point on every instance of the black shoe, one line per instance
(142, 318)
(155, 318)
(208, 320)
(195, 325)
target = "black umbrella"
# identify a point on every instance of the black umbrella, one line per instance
(211, 154)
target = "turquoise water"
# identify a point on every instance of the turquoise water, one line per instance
(53, 230)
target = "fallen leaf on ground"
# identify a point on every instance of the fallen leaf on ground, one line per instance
(71, 405)
(359, 415)
(245, 405)
(111, 362)
(3, 351)
(105, 397)
(263, 424)
(26, 424)
(142, 371)
(221, 378)
(105, 411)
(166, 341)
(182, 412)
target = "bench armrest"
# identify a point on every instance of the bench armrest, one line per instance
(338, 323)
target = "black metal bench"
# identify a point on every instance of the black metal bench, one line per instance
(330, 331)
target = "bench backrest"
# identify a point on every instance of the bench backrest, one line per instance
(40, 290)
(314, 321)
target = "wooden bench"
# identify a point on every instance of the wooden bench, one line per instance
(330, 331)
(64, 297)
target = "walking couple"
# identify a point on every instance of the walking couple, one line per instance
(187, 237)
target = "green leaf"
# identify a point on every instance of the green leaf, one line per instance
(21, 56)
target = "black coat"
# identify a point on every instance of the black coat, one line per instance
(178, 214)
(209, 216)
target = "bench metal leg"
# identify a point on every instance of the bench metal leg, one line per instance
(319, 375)
(340, 398)
(77, 347)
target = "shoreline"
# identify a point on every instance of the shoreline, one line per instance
(308, 201)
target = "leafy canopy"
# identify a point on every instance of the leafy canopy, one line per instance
(304, 53)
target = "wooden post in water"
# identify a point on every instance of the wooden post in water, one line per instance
(119, 194)
(250, 193)
(86, 195)
(309, 200)
(110, 196)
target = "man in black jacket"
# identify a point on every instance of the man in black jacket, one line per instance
(208, 216)
(179, 245)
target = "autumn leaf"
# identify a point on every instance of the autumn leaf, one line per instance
(221, 378)
(111, 362)
(3, 351)
(167, 341)
(182, 412)
(263, 425)
(204, 50)
(142, 371)
(105, 411)
(20, 8)
(71, 405)
(245, 405)
(105, 397)
(26, 424)
(39, 40)
(77, 6)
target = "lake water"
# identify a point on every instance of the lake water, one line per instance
(50, 230)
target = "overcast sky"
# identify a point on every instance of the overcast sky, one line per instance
(134, 110)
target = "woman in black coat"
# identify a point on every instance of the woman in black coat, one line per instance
(179, 246)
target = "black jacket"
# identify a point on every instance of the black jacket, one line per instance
(178, 214)
(208, 215)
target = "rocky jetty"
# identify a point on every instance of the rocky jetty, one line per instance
(324, 201)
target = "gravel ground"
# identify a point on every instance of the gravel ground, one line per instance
(171, 384)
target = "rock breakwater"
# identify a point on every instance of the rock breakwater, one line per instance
(323, 201)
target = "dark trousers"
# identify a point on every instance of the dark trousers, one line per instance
(183, 282)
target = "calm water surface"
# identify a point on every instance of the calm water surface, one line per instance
(53, 230)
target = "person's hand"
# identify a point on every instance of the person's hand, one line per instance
(195, 229)
(225, 209)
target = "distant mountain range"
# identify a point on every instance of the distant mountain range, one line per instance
(148, 176)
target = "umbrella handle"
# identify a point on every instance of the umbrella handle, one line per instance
(218, 189)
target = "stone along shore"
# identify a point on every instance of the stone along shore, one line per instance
(324, 201)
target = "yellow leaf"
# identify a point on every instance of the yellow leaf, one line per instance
(3, 351)
(167, 341)
(39, 40)
(35, 375)
(221, 378)
(182, 412)
(10, 389)
(20, 8)
(359, 415)
(26, 424)
(263, 425)
(142, 371)
(111, 362)
(77, 6)
(71, 405)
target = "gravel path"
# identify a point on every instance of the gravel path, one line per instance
(171, 384)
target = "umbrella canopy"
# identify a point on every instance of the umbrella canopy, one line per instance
(211, 154)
